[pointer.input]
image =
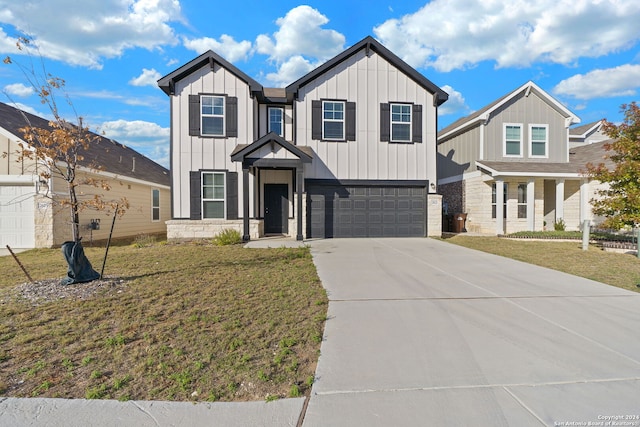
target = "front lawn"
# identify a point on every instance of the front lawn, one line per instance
(172, 322)
(615, 269)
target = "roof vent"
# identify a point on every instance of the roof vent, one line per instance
(133, 168)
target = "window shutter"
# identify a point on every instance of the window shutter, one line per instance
(232, 117)
(316, 120)
(417, 123)
(232, 195)
(194, 115)
(350, 125)
(195, 180)
(385, 122)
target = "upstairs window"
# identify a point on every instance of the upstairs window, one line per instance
(539, 138)
(212, 115)
(513, 140)
(276, 120)
(213, 192)
(400, 123)
(333, 120)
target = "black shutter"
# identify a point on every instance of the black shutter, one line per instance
(316, 120)
(232, 117)
(350, 125)
(417, 123)
(194, 115)
(195, 180)
(385, 122)
(232, 195)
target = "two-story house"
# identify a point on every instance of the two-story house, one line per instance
(348, 150)
(508, 166)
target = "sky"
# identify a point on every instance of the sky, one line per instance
(111, 53)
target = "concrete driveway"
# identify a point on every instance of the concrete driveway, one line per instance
(425, 333)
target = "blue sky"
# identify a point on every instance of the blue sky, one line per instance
(111, 52)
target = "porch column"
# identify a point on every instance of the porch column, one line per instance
(585, 213)
(299, 184)
(531, 204)
(499, 206)
(559, 199)
(245, 203)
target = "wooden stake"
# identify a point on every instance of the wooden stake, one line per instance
(20, 264)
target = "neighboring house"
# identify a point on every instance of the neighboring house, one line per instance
(348, 150)
(29, 214)
(586, 134)
(508, 167)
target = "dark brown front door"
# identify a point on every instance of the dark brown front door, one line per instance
(276, 208)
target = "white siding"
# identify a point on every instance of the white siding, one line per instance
(368, 81)
(191, 153)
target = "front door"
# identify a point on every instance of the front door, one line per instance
(276, 209)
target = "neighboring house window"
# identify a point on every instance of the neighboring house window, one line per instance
(213, 191)
(333, 120)
(539, 137)
(513, 140)
(400, 123)
(522, 200)
(276, 120)
(493, 200)
(155, 204)
(212, 115)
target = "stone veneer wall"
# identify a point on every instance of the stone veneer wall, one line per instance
(453, 196)
(185, 229)
(434, 215)
(43, 222)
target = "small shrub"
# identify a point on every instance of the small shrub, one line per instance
(227, 237)
(559, 225)
(295, 391)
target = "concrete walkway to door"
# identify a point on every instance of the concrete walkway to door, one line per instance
(422, 332)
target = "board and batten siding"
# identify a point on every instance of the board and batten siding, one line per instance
(527, 110)
(458, 154)
(368, 81)
(192, 153)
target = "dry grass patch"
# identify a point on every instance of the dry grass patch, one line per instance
(615, 269)
(174, 322)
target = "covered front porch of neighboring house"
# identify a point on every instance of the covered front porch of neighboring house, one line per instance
(536, 197)
(277, 167)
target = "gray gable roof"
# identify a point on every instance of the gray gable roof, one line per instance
(482, 114)
(112, 156)
(209, 58)
(584, 129)
(369, 43)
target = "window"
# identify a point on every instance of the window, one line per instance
(276, 116)
(333, 120)
(155, 205)
(213, 191)
(493, 200)
(513, 140)
(212, 115)
(538, 135)
(522, 200)
(400, 123)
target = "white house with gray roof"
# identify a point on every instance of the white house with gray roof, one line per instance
(508, 166)
(348, 150)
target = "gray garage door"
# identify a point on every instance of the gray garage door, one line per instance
(365, 211)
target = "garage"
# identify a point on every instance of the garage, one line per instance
(17, 227)
(366, 210)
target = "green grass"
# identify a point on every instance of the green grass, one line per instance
(621, 270)
(191, 322)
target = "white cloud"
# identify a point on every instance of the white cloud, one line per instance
(290, 71)
(227, 47)
(147, 78)
(19, 89)
(457, 34)
(84, 35)
(147, 138)
(605, 83)
(456, 103)
(301, 33)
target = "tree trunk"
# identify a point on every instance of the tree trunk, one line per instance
(75, 218)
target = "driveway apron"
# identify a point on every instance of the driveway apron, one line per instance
(422, 332)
